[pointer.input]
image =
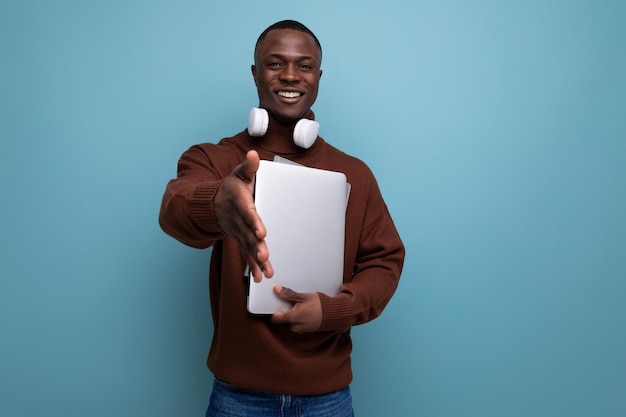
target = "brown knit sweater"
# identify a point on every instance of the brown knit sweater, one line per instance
(250, 351)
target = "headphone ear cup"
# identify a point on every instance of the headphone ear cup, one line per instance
(305, 133)
(258, 121)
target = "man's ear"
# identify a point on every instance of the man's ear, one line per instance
(253, 68)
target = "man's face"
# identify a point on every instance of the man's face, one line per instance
(287, 72)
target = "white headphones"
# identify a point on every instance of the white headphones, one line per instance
(304, 133)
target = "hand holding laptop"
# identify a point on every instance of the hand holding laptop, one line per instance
(305, 313)
(237, 216)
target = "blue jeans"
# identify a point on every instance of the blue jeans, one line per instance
(227, 400)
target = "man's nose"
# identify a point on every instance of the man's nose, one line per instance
(290, 74)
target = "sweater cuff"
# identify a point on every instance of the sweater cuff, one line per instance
(336, 312)
(201, 208)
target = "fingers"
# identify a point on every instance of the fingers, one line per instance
(304, 316)
(250, 167)
(255, 271)
(237, 216)
(253, 249)
(260, 265)
(263, 256)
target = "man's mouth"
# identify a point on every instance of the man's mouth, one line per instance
(289, 94)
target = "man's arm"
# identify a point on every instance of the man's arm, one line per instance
(377, 265)
(199, 208)
(359, 301)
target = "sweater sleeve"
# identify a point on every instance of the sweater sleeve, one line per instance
(376, 273)
(187, 212)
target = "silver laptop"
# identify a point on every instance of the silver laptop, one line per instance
(304, 212)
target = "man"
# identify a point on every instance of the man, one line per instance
(297, 360)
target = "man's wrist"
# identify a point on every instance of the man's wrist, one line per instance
(336, 312)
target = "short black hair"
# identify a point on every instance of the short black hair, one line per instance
(288, 24)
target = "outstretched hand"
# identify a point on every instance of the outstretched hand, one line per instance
(305, 314)
(237, 216)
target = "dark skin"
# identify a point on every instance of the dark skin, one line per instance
(286, 72)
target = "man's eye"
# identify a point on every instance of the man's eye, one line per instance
(274, 65)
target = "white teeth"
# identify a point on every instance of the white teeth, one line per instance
(289, 94)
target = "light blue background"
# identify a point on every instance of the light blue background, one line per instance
(497, 130)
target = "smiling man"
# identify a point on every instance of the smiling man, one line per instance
(297, 361)
(287, 73)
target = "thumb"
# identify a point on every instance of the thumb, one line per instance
(250, 166)
(288, 294)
